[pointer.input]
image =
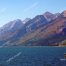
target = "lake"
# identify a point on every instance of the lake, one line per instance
(32, 56)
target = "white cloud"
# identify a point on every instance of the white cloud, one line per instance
(31, 6)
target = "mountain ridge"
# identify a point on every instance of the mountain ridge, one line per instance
(37, 31)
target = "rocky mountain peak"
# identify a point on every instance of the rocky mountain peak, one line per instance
(26, 20)
(49, 16)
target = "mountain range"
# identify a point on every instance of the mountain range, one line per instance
(43, 30)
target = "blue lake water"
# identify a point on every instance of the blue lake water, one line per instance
(32, 56)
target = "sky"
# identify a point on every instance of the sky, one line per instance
(20, 9)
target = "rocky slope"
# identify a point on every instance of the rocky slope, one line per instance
(43, 30)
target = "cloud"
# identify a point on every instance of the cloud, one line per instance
(31, 6)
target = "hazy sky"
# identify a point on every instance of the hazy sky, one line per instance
(21, 9)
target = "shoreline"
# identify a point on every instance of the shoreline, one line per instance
(30, 46)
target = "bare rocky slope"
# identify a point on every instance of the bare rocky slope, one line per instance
(43, 30)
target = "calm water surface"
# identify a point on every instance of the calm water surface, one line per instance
(32, 56)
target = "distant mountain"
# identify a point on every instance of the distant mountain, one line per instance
(10, 29)
(35, 23)
(43, 30)
(48, 34)
(16, 24)
(49, 16)
(26, 20)
(64, 13)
